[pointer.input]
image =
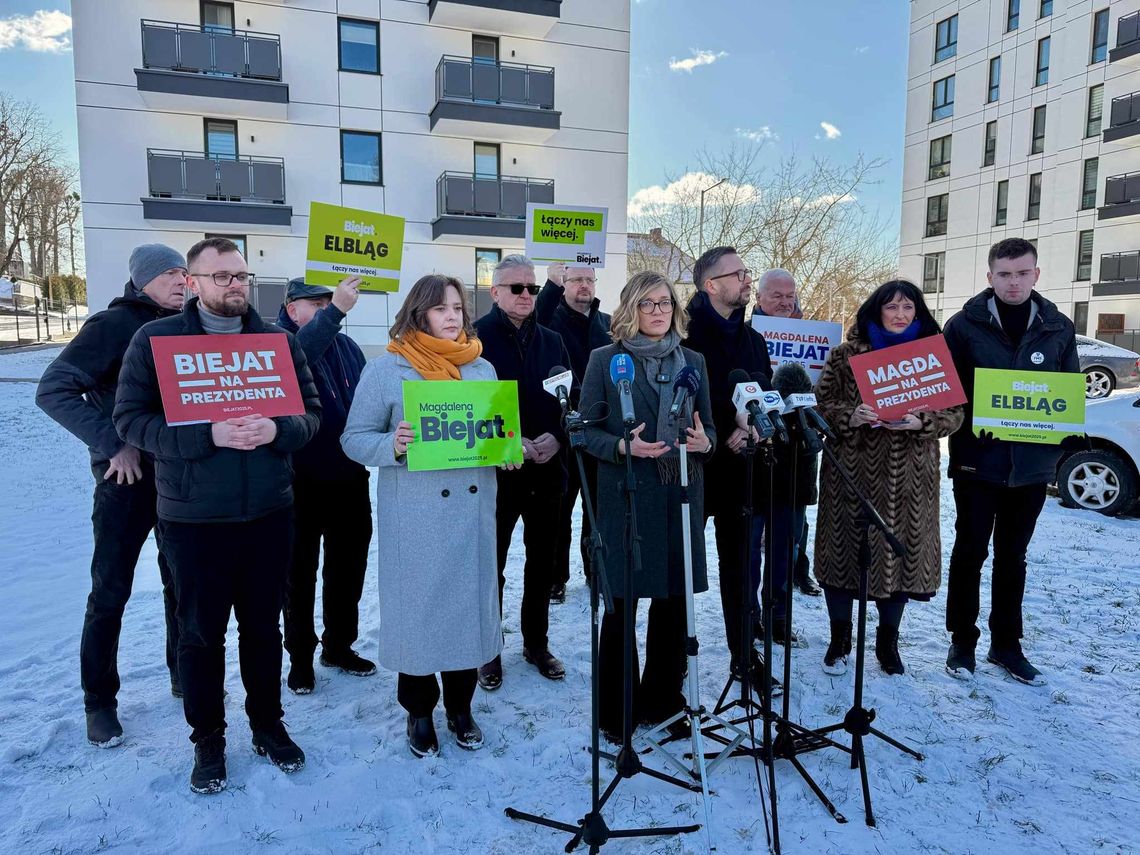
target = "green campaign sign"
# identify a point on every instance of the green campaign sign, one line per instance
(571, 234)
(1029, 406)
(462, 423)
(350, 242)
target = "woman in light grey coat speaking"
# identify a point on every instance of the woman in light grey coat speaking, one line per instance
(437, 574)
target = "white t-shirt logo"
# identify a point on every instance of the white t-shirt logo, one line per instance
(1037, 357)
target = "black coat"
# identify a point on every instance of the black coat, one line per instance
(336, 362)
(526, 356)
(78, 388)
(976, 340)
(581, 334)
(197, 481)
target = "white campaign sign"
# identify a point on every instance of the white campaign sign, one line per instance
(794, 340)
(572, 234)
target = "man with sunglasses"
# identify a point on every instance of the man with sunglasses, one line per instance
(523, 351)
(567, 304)
(225, 511)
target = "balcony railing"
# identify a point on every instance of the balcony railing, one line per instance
(479, 81)
(194, 175)
(203, 50)
(468, 194)
(532, 18)
(1127, 37)
(1124, 117)
(1120, 267)
(1121, 196)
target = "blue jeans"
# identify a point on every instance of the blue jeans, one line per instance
(785, 521)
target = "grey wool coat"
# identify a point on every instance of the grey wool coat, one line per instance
(436, 567)
(658, 504)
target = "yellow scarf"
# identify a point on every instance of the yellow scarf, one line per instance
(436, 358)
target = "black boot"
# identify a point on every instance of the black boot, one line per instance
(803, 578)
(301, 679)
(274, 742)
(421, 736)
(887, 649)
(209, 775)
(103, 728)
(348, 661)
(468, 734)
(835, 659)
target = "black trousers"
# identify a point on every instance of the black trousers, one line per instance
(566, 513)
(218, 567)
(419, 694)
(122, 516)
(731, 538)
(1010, 515)
(539, 512)
(657, 690)
(341, 515)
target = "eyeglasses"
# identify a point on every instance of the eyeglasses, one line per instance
(518, 287)
(648, 307)
(741, 275)
(581, 280)
(223, 280)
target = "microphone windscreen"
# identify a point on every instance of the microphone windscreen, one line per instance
(791, 378)
(738, 376)
(621, 368)
(762, 379)
(555, 371)
(688, 378)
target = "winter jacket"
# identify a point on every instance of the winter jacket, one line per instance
(581, 334)
(899, 473)
(197, 481)
(78, 388)
(336, 362)
(526, 355)
(976, 340)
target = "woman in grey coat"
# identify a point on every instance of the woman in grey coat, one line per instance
(648, 324)
(437, 573)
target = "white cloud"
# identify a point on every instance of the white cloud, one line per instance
(832, 132)
(862, 49)
(43, 32)
(761, 134)
(829, 199)
(686, 191)
(699, 57)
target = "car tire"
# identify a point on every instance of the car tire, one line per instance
(1098, 480)
(1099, 383)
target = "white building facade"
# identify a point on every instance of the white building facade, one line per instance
(208, 118)
(1023, 120)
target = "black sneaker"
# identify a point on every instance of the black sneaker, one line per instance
(468, 735)
(547, 663)
(103, 728)
(887, 650)
(274, 742)
(491, 674)
(835, 659)
(558, 592)
(960, 661)
(1013, 661)
(301, 680)
(209, 775)
(348, 662)
(421, 736)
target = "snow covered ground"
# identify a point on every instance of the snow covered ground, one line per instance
(1008, 768)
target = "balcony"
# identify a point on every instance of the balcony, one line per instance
(1121, 196)
(506, 100)
(1123, 118)
(183, 61)
(1127, 38)
(1119, 275)
(474, 205)
(193, 187)
(508, 17)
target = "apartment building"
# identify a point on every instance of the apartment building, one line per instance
(1023, 120)
(200, 118)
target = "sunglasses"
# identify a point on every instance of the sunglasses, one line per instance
(518, 287)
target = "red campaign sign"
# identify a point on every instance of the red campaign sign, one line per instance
(211, 378)
(908, 378)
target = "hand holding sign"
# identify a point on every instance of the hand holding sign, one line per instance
(347, 293)
(404, 437)
(244, 433)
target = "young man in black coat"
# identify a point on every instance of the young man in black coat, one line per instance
(567, 304)
(78, 391)
(225, 511)
(330, 492)
(522, 350)
(999, 486)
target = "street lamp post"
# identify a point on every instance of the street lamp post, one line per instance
(701, 238)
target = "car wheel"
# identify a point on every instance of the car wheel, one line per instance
(1099, 383)
(1098, 480)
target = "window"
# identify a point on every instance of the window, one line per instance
(995, 80)
(1084, 256)
(1081, 318)
(360, 158)
(221, 139)
(485, 261)
(485, 49)
(946, 39)
(1046, 8)
(359, 46)
(1038, 144)
(1095, 111)
(486, 160)
(942, 106)
(1043, 62)
(933, 273)
(1100, 37)
(1002, 208)
(1033, 210)
(939, 158)
(991, 144)
(1013, 15)
(238, 239)
(1088, 184)
(217, 17)
(937, 213)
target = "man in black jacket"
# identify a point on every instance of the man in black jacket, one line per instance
(568, 306)
(225, 511)
(999, 486)
(78, 391)
(330, 492)
(523, 351)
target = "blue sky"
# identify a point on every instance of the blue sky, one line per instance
(738, 66)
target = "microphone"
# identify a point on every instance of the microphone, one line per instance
(746, 397)
(792, 381)
(557, 383)
(621, 375)
(772, 404)
(688, 383)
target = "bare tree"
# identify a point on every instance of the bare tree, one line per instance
(27, 148)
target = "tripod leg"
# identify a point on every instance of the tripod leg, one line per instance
(900, 746)
(857, 751)
(819, 794)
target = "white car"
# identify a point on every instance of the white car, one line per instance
(1106, 477)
